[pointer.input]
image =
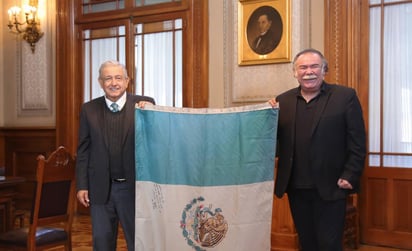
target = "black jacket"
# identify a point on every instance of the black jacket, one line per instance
(338, 141)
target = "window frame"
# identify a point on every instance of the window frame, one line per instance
(69, 56)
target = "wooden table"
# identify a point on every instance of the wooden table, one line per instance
(8, 192)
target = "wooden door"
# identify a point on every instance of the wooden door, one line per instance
(385, 199)
(386, 207)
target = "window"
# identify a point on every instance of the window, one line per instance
(158, 61)
(86, 39)
(101, 45)
(390, 85)
(95, 6)
(149, 42)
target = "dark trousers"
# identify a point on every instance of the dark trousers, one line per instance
(106, 218)
(319, 223)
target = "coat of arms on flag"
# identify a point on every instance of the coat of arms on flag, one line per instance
(204, 177)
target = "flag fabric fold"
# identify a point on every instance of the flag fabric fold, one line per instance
(204, 177)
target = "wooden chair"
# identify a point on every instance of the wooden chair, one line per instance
(52, 214)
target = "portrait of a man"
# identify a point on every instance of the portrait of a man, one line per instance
(264, 30)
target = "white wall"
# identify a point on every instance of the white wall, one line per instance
(216, 53)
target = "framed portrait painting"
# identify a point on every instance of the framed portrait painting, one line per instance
(264, 32)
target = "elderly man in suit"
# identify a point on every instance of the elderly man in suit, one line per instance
(105, 166)
(322, 149)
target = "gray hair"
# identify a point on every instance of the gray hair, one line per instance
(112, 63)
(310, 50)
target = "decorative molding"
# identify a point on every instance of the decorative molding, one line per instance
(227, 60)
(342, 41)
(336, 38)
(35, 72)
(200, 59)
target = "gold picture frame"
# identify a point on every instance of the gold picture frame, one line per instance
(264, 32)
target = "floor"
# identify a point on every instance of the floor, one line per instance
(82, 240)
(372, 248)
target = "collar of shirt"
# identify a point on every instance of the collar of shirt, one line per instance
(120, 102)
(322, 90)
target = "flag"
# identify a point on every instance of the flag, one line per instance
(204, 178)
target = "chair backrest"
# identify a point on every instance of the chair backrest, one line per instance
(54, 193)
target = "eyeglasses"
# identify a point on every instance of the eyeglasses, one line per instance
(109, 79)
(311, 67)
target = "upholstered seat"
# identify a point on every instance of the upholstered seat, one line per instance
(52, 214)
(44, 235)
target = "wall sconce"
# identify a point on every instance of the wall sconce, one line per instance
(30, 28)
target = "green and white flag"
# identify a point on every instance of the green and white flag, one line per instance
(204, 178)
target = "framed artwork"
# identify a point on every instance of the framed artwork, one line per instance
(264, 32)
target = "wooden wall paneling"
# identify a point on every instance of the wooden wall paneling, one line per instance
(198, 61)
(68, 94)
(2, 150)
(21, 148)
(283, 232)
(284, 236)
(343, 33)
(347, 46)
(402, 205)
(387, 200)
(378, 201)
(21, 144)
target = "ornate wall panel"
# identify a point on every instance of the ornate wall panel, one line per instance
(35, 77)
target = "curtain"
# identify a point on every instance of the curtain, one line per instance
(158, 63)
(390, 86)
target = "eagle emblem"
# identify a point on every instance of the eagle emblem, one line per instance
(203, 227)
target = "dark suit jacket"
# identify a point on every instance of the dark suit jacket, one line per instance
(338, 142)
(92, 167)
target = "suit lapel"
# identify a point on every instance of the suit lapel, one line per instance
(292, 114)
(321, 106)
(128, 117)
(101, 116)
